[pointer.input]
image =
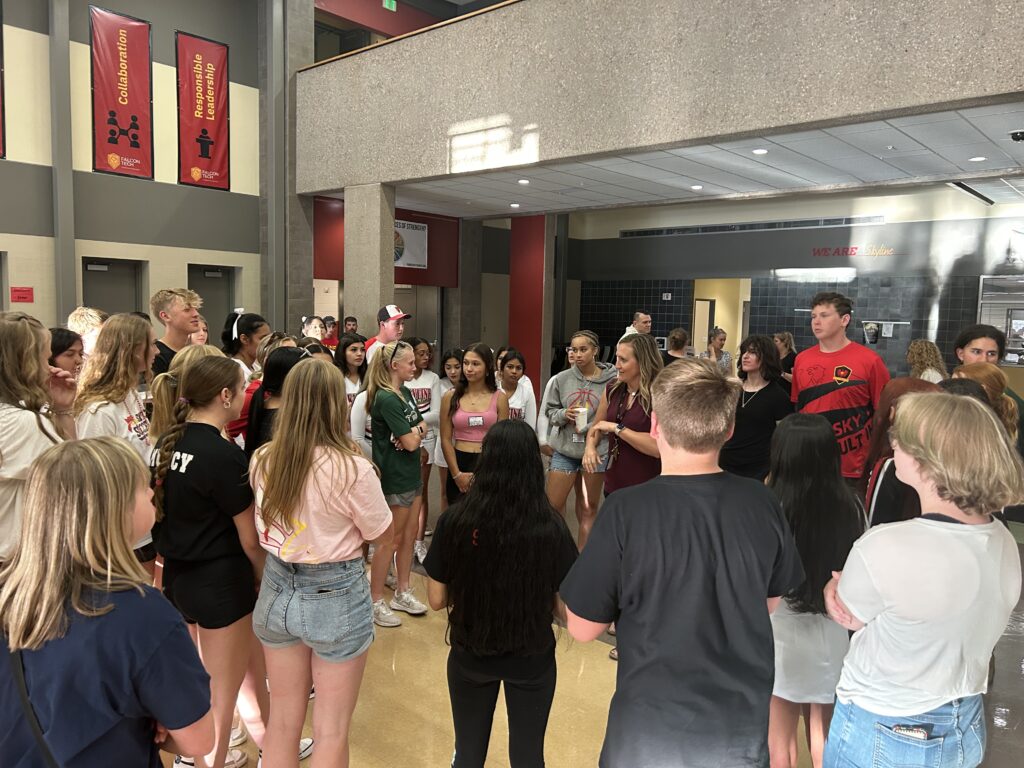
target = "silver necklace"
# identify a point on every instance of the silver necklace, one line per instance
(744, 399)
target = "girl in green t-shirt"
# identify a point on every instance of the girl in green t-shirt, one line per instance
(398, 431)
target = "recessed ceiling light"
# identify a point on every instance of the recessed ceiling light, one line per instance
(524, 181)
(697, 187)
(978, 159)
(514, 205)
(760, 151)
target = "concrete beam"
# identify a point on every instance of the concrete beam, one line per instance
(547, 80)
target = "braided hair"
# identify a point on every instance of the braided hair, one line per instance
(199, 385)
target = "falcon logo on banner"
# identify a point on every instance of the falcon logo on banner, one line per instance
(203, 136)
(122, 94)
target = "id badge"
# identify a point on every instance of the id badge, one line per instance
(476, 421)
(578, 437)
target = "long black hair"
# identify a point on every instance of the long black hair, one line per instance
(767, 355)
(482, 351)
(279, 363)
(502, 542)
(823, 513)
(61, 340)
(346, 341)
(236, 326)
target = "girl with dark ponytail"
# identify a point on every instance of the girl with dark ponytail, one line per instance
(267, 398)
(207, 536)
(241, 338)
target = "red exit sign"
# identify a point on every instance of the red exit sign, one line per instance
(23, 295)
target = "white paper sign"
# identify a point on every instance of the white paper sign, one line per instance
(410, 244)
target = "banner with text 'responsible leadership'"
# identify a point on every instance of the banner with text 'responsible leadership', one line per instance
(122, 94)
(203, 140)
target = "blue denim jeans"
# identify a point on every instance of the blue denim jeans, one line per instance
(325, 606)
(954, 737)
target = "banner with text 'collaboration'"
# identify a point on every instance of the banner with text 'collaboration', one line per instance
(122, 94)
(203, 143)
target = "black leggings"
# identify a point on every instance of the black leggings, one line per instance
(467, 463)
(529, 689)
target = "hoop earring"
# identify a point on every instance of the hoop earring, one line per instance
(227, 404)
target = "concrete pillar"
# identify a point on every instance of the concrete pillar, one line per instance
(531, 291)
(68, 267)
(461, 305)
(369, 252)
(286, 219)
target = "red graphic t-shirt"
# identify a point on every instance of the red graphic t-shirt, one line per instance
(843, 387)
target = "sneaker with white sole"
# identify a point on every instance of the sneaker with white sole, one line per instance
(235, 758)
(384, 616)
(238, 737)
(419, 551)
(406, 601)
(391, 581)
(305, 750)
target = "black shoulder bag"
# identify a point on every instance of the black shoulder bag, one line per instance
(30, 714)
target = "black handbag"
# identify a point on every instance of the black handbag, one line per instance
(30, 714)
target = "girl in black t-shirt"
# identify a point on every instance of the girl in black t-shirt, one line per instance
(763, 402)
(503, 538)
(212, 557)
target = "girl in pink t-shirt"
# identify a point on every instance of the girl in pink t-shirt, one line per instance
(317, 500)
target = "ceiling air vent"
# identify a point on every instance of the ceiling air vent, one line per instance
(756, 226)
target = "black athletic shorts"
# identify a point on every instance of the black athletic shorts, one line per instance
(212, 593)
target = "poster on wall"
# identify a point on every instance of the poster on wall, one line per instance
(122, 94)
(410, 244)
(203, 144)
(3, 117)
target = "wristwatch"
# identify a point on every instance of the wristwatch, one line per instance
(619, 428)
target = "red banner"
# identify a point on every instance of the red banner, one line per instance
(122, 94)
(203, 142)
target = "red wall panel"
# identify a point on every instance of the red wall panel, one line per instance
(372, 15)
(526, 291)
(442, 246)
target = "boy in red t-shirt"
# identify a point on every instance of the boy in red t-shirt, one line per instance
(839, 379)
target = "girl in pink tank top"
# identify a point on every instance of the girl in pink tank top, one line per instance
(467, 412)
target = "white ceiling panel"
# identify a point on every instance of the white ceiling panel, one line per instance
(929, 148)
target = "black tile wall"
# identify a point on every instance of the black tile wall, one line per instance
(607, 307)
(912, 299)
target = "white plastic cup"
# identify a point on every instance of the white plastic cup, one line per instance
(581, 418)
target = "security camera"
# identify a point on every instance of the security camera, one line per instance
(1017, 135)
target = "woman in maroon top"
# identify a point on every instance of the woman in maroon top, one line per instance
(624, 416)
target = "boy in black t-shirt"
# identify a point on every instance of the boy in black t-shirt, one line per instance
(688, 566)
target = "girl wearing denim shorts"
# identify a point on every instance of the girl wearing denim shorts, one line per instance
(928, 598)
(317, 500)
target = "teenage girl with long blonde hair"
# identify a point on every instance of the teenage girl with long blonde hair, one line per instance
(317, 500)
(109, 402)
(101, 648)
(164, 389)
(35, 412)
(398, 430)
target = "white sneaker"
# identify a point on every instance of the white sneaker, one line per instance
(419, 551)
(383, 616)
(406, 601)
(391, 581)
(305, 748)
(238, 737)
(236, 758)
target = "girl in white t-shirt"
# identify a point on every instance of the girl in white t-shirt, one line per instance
(522, 405)
(109, 403)
(317, 500)
(350, 357)
(451, 364)
(426, 390)
(35, 413)
(929, 598)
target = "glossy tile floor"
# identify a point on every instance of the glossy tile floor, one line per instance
(403, 716)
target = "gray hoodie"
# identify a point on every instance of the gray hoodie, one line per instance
(571, 388)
